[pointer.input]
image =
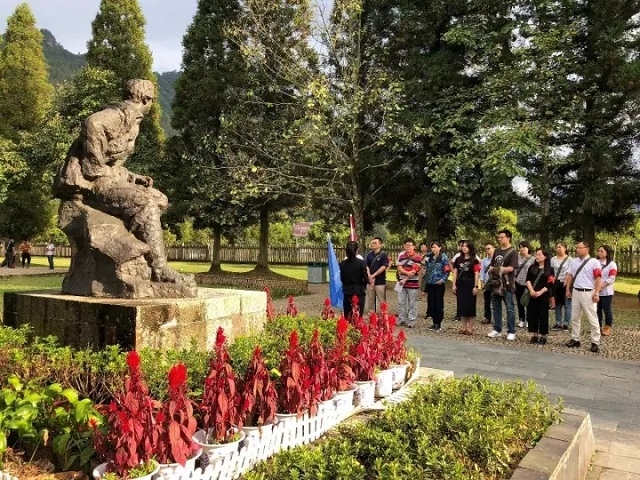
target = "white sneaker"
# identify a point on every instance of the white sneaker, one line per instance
(526, 324)
(494, 334)
(521, 324)
(511, 337)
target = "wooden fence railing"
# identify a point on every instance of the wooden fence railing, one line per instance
(628, 259)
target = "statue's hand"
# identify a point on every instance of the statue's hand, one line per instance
(143, 180)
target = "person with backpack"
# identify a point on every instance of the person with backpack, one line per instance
(502, 281)
(609, 273)
(560, 265)
(436, 273)
(540, 282)
(584, 282)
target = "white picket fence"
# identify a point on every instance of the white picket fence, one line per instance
(282, 436)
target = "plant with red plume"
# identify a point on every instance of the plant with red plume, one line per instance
(292, 310)
(327, 311)
(294, 383)
(271, 311)
(259, 398)
(339, 362)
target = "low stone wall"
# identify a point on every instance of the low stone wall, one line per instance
(83, 322)
(278, 287)
(563, 453)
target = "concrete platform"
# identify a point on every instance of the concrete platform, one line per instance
(133, 324)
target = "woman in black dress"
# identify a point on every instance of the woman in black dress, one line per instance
(353, 274)
(466, 270)
(540, 284)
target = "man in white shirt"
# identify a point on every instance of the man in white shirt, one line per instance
(583, 284)
(50, 250)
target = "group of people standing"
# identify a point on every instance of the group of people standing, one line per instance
(525, 281)
(24, 248)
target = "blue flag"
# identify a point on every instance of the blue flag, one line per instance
(335, 284)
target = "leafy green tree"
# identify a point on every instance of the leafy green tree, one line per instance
(262, 138)
(25, 92)
(212, 68)
(117, 45)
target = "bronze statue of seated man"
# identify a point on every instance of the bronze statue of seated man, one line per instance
(94, 176)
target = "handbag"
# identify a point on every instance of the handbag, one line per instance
(526, 295)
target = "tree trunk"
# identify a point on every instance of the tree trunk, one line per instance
(589, 235)
(545, 207)
(263, 255)
(215, 254)
(358, 218)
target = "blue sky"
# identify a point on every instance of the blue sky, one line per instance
(70, 22)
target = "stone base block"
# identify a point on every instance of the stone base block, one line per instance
(133, 324)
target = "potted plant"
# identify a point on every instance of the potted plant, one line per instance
(399, 362)
(294, 382)
(322, 389)
(259, 398)
(221, 432)
(364, 360)
(124, 444)
(380, 336)
(271, 311)
(175, 427)
(339, 364)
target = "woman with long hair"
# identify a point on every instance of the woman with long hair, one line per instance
(560, 265)
(353, 274)
(525, 260)
(609, 272)
(466, 272)
(540, 282)
(436, 273)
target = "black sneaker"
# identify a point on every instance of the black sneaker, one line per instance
(433, 327)
(542, 341)
(565, 327)
(595, 348)
(573, 343)
(557, 327)
(534, 340)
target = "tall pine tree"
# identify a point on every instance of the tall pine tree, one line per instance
(212, 68)
(25, 92)
(117, 45)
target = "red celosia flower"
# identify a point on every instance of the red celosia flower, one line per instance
(342, 326)
(93, 424)
(392, 322)
(293, 339)
(133, 360)
(327, 302)
(177, 376)
(160, 416)
(355, 300)
(220, 338)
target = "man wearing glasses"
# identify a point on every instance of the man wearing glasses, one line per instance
(583, 284)
(504, 262)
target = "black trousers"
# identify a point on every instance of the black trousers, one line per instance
(522, 311)
(26, 259)
(605, 310)
(487, 304)
(538, 315)
(435, 297)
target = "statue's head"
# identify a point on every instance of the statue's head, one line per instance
(141, 92)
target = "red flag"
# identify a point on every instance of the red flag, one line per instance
(352, 228)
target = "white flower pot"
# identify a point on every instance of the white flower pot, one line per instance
(344, 400)
(364, 395)
(169, 470)
(100, 470)
(258, 432)
(213, 451)
(287, 418)
(399, 375)
(327, 407)
(384, 383)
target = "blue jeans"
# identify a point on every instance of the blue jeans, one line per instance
(567, 312)
(605, 311)
(496, 304)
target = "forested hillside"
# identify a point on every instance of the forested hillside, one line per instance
(63, 64)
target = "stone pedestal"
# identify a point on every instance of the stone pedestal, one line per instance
(173, 323)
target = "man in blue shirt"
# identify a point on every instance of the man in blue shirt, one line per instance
(377, 262)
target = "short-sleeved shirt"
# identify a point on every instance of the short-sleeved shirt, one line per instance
(485, 265)
(588, 275)
(51, 248)
(560, 274)
(546, 280)
(466, 267)
(512, 261)
(410, 262)
(609, 273)
(376, 260)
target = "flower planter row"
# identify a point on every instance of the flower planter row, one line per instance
(227, 462)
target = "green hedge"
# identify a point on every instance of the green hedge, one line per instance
(468, 429)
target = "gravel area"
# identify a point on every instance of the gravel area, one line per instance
(623, 344)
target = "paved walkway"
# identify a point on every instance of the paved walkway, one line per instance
(608, 389)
